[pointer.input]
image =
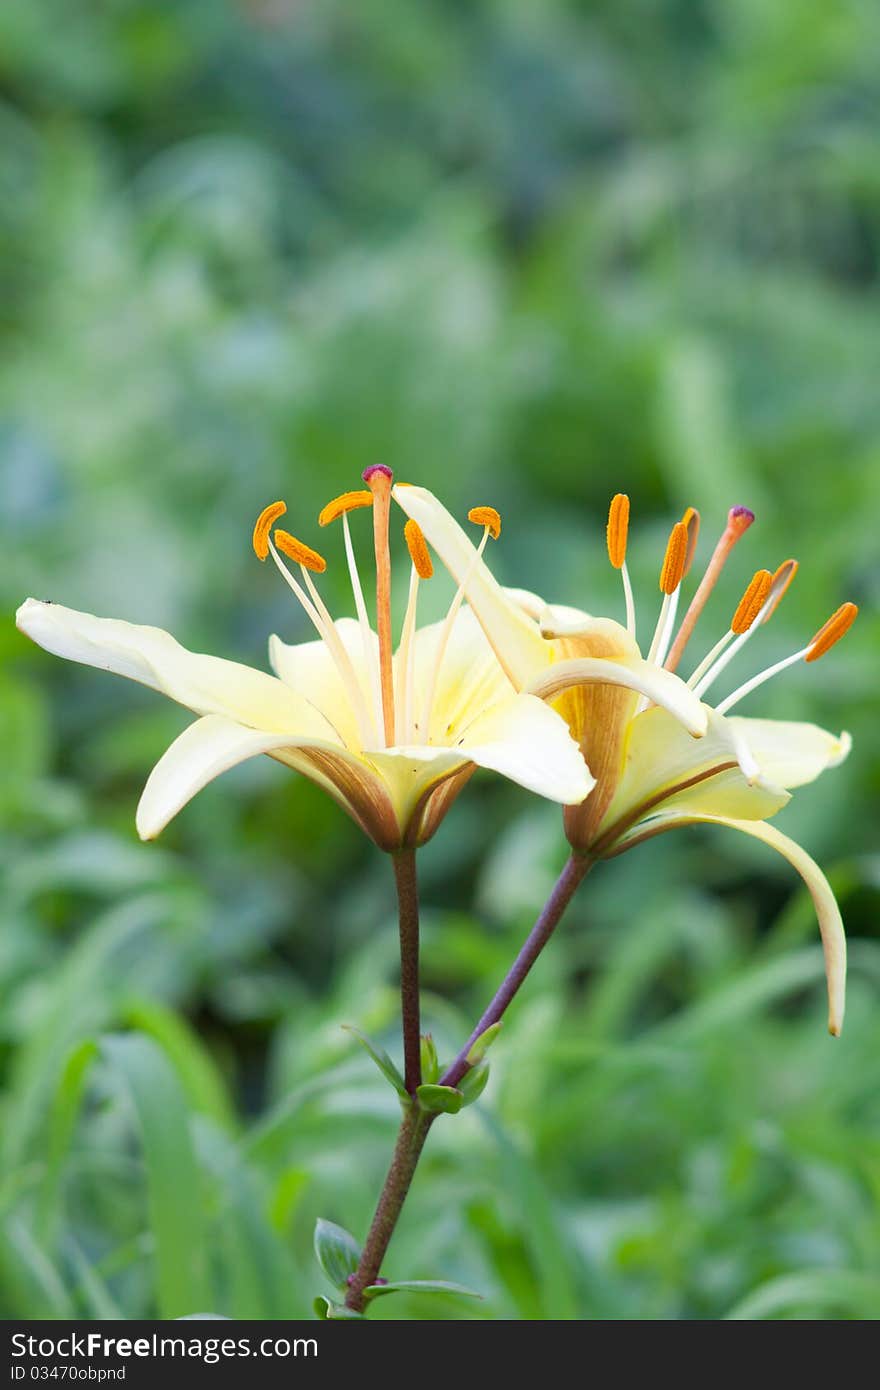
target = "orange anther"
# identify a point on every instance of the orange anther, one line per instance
(345, 502)
(418, 549)
(779, 586)
(617, 529)
(264, 523)
(752, 602)
(486, 516)
(300, 552)
(832, 631)
(674, 559)
(691, 522)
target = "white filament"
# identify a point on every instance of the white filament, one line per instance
(762, 676)
(326, 629)
(445, 634)
(630, 602)
(371, 664)
(711, 656)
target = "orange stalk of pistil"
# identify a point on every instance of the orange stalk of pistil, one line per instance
(739, 519)
(379, 479)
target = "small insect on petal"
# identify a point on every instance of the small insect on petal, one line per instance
(345, 502)
(752, 602)
(832, 631)
(264, 523)
(486, 516)
(418, 549)
(300, 552)
(617, 529)
(674, 559)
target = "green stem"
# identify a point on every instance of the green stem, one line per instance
(410, 1141)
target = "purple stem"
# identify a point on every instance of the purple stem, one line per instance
(563, 892)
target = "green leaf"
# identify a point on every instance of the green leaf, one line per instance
(382, 1060)
(440, 1100)
(63, 1116)
(337, 1251)
(473, 1083)
(32, 1274)
(93, 1292)
(479, 1048)
(420, 1286)
(174, 1184)
(812, 1291)
(430, 1060)
(254, 1268)
(334, 1312)
(188, 1055)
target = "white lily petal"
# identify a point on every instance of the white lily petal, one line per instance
(560, 620)
(525, 740)
(206, 684)
(214, 744)
(787, 753)
(208, 747)
(666, 769)
(827, 911)
(531, 604)
(310, 670)
(520, 737)
(513, 635)
(660, 687)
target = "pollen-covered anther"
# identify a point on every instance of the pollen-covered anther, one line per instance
(345, 502)
(488, 517)
(832, 631)
(300, 552)
(674, 559)
(617, 530)
(691, 522)
(418, 549)
(752, 602)
(779, 587)
(264, 523)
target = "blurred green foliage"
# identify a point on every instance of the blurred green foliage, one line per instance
(527, 255)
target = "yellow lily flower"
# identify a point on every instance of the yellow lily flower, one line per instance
(661, 755)
(343, 709)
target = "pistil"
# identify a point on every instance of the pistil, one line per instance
(379, 479)
(739, 519)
